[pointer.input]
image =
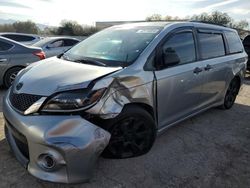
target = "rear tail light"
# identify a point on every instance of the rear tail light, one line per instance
(40, 54)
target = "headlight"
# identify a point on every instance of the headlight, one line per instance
(73, 100)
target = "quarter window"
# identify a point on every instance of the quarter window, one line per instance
(181, 46)
(4, 46)
(211, 45)
(234, 42)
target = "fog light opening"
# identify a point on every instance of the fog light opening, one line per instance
(47, 161)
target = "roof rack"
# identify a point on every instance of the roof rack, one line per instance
(207, 22)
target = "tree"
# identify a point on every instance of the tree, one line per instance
(72, 28)
(221, 19)
(168, 18)
(25, 27)
(215, 18)
(20, 27)
(7, 28)
(69, 28)
(243, 24)
(89, 30)
(154, 17)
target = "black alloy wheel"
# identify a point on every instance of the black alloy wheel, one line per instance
(132, 134)
(10, 76)
(231, 94)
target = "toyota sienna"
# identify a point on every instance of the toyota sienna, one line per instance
(112, 93)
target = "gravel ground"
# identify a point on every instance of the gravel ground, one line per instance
(209, 150)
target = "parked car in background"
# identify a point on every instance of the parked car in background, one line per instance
(27, 39)
(131, 81)
(14, 57)
(53, 46)
(246, 43)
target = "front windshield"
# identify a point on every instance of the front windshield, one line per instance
(115, 46)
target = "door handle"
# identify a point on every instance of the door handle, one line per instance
(3, 60)
(208, 67)
(197, 70)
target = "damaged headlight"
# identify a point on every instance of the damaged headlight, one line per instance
(73, 100)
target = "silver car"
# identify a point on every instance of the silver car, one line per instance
(53, 46)
(115, 91)
(14, 57)
(27, 39)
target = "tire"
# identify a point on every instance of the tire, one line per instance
(132, 133)
(231, 94)
(10, 76)
(6, 134)
(5, 131)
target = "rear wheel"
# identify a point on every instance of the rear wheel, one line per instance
(231, 94)
(10, 76)
(132, 133)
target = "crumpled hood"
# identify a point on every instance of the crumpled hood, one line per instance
(53, 74)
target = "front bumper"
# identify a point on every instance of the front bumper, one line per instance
(73, 142)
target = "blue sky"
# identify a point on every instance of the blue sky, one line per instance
(51, 12)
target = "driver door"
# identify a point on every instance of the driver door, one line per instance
(179, 78)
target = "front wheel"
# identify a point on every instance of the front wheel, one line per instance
(10, 76)
(132, 133)
(231, 94)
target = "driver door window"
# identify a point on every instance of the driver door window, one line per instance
(56, 44)
(179, 49)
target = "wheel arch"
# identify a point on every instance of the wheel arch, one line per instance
(12, 67)
(144, 106)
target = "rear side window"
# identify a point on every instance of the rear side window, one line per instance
(19, 38)
(70, 42)
(4, 46)
(211, 45)
(234, 42)
(181, 45)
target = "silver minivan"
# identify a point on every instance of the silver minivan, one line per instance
(112, 93)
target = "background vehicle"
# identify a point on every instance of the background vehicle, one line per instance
(53, 46)
(23, 38)
(15, 56)
(246, 43)
(132, 81)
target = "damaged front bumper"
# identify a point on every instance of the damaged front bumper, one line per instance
(54, 148)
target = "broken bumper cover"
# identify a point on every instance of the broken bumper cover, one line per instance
(54, 148)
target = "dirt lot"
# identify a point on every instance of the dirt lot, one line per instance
(209, 150)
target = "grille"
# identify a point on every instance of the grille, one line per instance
(23, 101)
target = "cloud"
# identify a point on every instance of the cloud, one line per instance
(240, 11)
(53, 11)
(215, 5)
(13, 4)
(46, 1)
(223, 3)
(12, 16)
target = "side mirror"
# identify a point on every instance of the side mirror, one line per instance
(170, 57)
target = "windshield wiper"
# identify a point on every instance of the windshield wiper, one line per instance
(91, 62)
